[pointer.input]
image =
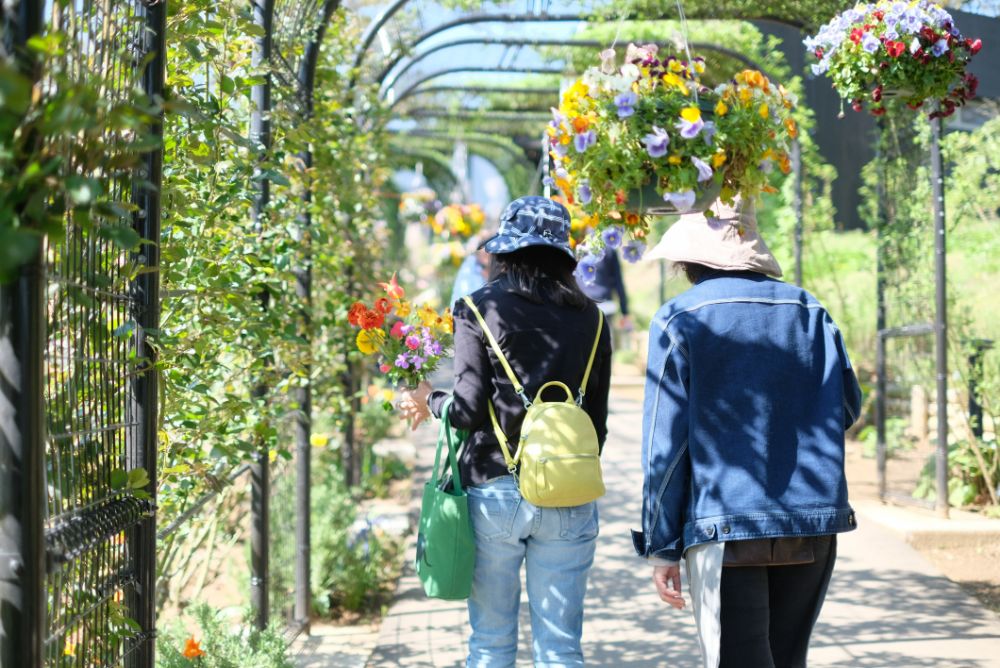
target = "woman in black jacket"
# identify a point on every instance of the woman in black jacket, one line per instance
(546, 327)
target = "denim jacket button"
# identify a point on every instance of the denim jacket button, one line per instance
(725, 529)
(709, 531)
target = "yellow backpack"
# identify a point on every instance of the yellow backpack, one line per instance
(559, 453)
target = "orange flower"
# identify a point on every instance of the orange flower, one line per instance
(192, 650)
(793, 130)
(631, 219)
(382, 305)
(372, 320)
(392, 288)
(581, 123)
(620, 197)
(785, 163)
(354, 315)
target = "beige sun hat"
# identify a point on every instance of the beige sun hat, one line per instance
(723, 237)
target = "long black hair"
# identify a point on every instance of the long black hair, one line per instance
(540, 274)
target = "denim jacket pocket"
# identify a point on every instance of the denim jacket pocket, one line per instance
(577, 522)
(493, 512)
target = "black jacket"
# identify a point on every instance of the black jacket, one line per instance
(542, 342)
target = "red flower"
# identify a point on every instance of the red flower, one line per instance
(974, 45)
(372, 320)
(384, 368)
(914, 105)
(856, 35)
(818, 52)
(972, 83)
(620, 197)
(354, 314)
(878, 111)
(879, 14)
(397, 330)
(877, 94)
(895, 49)
(856, 105)
(382, 305)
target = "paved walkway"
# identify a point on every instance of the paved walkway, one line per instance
(887, 606)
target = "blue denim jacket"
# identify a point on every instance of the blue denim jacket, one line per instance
(748, 393)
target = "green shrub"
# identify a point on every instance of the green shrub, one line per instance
(223, 646)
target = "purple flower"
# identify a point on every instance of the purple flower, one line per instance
(870, 43)
(583, 191)
(586, 270)
(633, 250)
(584, 140)
(704, 170)
(682, 201)
(549, 181)
(406, 329)
(766, 166)
(402, 362)
(412, 342)
(418, 362)
(561, 150)
(940, 47)
(612, 237)
(689, 129)
(657, 142)
(708, 132)
(557, 117)
(432, 348)
(626, 104)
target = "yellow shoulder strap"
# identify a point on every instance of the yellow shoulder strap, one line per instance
(590, 362)
(497, 429)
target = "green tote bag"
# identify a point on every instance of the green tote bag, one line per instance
(446, 548)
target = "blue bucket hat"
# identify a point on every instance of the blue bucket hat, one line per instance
(532, 221)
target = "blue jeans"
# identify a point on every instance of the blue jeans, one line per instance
(557, 545)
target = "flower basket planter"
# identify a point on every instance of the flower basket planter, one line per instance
(647, 200)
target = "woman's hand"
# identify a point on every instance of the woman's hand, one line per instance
(413, 404)
(668, 585)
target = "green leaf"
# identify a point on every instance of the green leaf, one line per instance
(118, 479)
(124, 237)
(81, 190)
(138, 478)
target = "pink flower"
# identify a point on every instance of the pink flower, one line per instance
(397, 330)
(384, 368)
(412, 342)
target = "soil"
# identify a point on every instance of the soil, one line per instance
(972, 567)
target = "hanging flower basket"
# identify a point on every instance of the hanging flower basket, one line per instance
(909, 51)
(647, 138)
(458, 221)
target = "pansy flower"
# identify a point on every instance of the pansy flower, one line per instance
(683, 201)
(612, 237)
(704, 170)
(656, 142)
(690, 123)
(626, 104)
(586, 269)
(633, 250)
(583, 190)
(584, 140)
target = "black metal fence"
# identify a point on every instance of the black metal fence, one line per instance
(78, 409)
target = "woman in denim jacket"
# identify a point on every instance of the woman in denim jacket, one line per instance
(749, 390)
(545, 326)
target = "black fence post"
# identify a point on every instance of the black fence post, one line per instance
(142, 442)
(797, 205)
(941, 316)
(22, 425)
(260, 474)
(881, 220)
(979, 348)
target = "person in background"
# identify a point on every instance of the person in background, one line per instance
(473, 271)
(604, 286)
(535, 309)
(749, 390)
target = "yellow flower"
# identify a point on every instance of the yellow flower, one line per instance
(369, 339)
(402, 308)
(691, 114)
(674, 160)
(428, 316)
(675, 65)
(699, 66)
(388, 396)
(745, 95)
(721, 109)
(764, 111)
(719, 159)
(672, 79)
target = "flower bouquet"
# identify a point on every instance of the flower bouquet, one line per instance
(458, 221)
(409, 342)
(909, 50)
(649, 138)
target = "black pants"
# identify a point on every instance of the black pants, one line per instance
(768, 612)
